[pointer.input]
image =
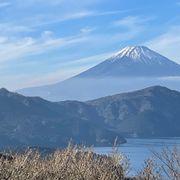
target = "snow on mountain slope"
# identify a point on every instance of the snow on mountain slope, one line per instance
(141, 54)
(134, 61)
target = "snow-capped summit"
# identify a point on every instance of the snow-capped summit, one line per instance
(134, 61)
(140, 54)
(136, 52)
(132, 51)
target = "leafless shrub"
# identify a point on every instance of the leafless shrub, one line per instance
(150, 171)
(72, 163)
(162, 166)
(169, 161)
(80, 163)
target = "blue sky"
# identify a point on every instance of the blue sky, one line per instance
(46, 41)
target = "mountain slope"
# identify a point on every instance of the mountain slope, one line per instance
(138, 64)
(32, 121)
(151, 112)
(134, 61)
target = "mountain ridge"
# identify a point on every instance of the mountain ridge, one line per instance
(152, 111)
(148, 89)
(33, 121)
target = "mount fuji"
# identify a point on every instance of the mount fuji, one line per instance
(129, 69)
(134, 61)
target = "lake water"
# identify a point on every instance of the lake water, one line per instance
(137, 150)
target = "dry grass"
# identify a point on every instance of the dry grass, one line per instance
(78, 163)
(72, 164)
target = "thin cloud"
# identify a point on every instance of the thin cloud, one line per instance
(68, 17)
(45, 20)
(45, 79)
(134, 26)
(65, 71)
(10, 29)
(5, 4)
(59, 3)
(87, 30)
(178, 3)
(167, 43)
(11, 50)
(88, 61)
(132, 21)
